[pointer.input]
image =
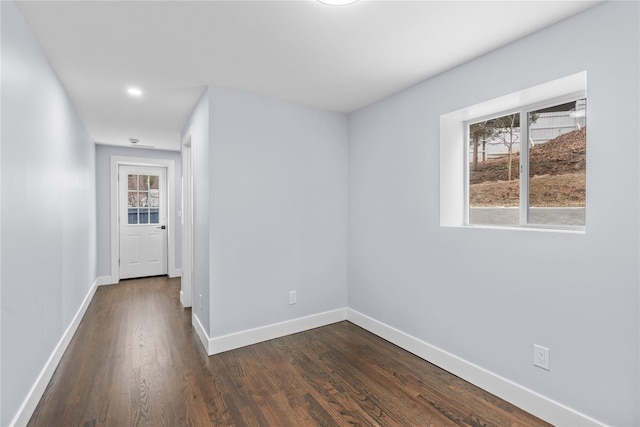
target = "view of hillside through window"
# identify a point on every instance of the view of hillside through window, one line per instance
(557, 167)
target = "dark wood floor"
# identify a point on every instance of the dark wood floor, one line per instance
(136, 361)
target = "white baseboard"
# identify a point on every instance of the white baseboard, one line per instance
(528, 400)
(183, 299)
(113, 280)
(37, 390)
(107, 280)
(253, 336)
(201, 332)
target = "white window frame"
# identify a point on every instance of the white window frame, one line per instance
(454, 149)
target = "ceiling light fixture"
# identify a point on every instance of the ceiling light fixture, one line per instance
(337, 2)
(134, 91)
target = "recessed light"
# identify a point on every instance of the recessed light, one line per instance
(134, 91)
(337, 2)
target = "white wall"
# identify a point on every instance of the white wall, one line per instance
(576, 294)
(199, 124)
(103, 191)
(278, 211)
(48, 212)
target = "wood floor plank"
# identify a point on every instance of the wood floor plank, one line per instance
(135, 360)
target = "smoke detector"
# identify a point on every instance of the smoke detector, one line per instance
(135, 142)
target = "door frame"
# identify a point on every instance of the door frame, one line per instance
(143, 264)
(116, 162)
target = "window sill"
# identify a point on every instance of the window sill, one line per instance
(535, 228)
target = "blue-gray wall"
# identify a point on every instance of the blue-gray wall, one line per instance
(574, 293)
(48, 212)
(270, 205)
(198, 124)
(278, 209)
(103, 191)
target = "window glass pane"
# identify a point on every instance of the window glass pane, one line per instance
(143, 199)
(132, 216)
(557, 164)
(132, 182)
(133, 199)
(154, 198)
(494, 166)
(143, 182)
(144, 215)
(153, 182)
(154, 217)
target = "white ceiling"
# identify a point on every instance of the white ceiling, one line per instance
(338, 58)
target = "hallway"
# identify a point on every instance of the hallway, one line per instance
(135, 360)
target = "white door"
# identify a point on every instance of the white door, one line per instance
(142, 200)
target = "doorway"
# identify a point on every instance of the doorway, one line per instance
(142, 219)
(144, 215)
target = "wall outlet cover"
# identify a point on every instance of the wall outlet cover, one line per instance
(541, 356)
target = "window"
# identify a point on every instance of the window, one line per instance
(528, 167)
(518, 160)
(143, 197)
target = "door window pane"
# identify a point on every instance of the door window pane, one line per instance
(153, 182)
(143, 182)
(143, 199)
(154, 198)
(132, 216)
(132, 182)
(133, 199)
(143, 192)
(154, 217)
(144, 216)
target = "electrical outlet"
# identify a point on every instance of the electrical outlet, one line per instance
(541, 356)
(292, 297)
